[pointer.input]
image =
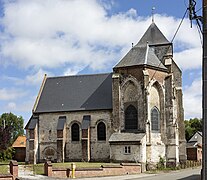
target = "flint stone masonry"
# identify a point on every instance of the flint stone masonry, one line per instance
(73, 149)
(141, 98)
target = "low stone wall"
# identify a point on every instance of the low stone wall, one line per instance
(13, 172)
(109, 170)
(6, 177)
(189, 164)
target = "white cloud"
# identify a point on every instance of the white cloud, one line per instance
(23, 106)
(30, 79)
(72, 70)
(58, 32)
(36, 79)
(189, 58)
(74, 34)
(11, 106)
(11, 94)
(193, 99)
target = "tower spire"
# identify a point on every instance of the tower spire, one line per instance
(153, 9)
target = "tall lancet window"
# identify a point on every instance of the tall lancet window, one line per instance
(155, 119)
(75, 132)
(101, 131)
(131, 118)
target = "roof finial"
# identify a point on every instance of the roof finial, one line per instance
(153, 8)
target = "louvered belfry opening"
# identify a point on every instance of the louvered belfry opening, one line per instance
(131, 118)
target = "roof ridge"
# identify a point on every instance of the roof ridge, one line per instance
(78, 75)
(146, 55)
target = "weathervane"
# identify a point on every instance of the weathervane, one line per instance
(153, 8)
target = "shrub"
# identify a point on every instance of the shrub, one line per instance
(7, 154)
(161, 163)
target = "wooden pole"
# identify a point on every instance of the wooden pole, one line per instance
(204, 94)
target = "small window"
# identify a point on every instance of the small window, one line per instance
(50, 133)
(75, 132)
(127, 150)
(101, 131)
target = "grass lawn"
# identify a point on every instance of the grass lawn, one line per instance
(4, 167)
(39, 168)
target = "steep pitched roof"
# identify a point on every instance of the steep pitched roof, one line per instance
(19, 142)
(153, 36)
(73, 93)
(143, 53)
(32, 122)
(197, 137)
(61, 122)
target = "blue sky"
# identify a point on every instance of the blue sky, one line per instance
(60, 37)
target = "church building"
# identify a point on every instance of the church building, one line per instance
(134, 114)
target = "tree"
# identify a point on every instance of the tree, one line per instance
(11, 127)
(192, 126)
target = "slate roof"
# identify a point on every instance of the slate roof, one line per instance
(73, 93)
(126, 137)
(143, 52)
(61, 122)
(86, 122)
(141, 55)
(193, 144)
(32, 123)
(197, 137)
(19, 142)
(153, 36)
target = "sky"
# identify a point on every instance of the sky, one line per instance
(68, 37)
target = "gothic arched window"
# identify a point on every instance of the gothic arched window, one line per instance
(155, 119)
(75, 132)
(131, 117)
(101, 131)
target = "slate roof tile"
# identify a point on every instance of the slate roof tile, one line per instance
(74, 93)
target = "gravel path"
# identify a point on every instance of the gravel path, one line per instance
(26, 173)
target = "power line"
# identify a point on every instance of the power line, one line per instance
(179, 24)
(200, 34)
(171, 40)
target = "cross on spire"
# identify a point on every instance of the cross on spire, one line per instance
(153, 9)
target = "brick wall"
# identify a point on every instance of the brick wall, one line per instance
(110, 170)
(192, 154)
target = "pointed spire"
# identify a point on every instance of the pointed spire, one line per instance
(153, 9)
(153, 35)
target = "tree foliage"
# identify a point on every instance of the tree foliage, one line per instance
(192, 126)
(11, 126)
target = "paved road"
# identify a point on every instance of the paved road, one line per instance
(187, 174)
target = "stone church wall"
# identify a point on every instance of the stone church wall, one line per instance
(157, 147)
(73, 149)
(118, 154)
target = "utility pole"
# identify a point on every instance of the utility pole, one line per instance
(204, 94)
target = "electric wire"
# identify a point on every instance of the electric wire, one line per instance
(179, 25)
(171, 41)
(199, 32)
